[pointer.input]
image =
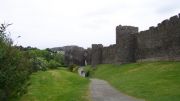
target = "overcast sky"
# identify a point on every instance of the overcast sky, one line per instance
(54, 23)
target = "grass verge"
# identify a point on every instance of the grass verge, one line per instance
(56, 85)
(152, 81)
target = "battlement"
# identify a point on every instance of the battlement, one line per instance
(128, 29)
(160, 42)
(157, 43)
(167, 24)
(125, 33)
(96, 46)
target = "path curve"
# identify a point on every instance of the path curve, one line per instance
(102, 91)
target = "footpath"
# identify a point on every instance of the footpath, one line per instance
(102, 91)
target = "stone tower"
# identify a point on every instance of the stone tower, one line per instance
(126, 43)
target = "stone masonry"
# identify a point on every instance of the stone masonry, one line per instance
(96, 56)
(161, 42)
(125, 41)
(156, 43)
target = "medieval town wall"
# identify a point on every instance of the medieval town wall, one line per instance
(156, 43)
(161, 42)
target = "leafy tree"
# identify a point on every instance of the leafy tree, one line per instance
(38, 63)
(59, 58)
(17, 63)
(14, 67)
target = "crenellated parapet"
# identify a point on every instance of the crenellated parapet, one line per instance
(161, 42)
(157, 43)
(125, 33)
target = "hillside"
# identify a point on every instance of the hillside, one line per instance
(56, 85)
(152, 81)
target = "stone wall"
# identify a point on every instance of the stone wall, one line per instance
(96, 56)
(161, 42)
(125, 41)
(109, 54)
(122, 52)
(88, 55)
(156, 43)
(74, 55)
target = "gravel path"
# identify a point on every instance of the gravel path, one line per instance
(102, 91)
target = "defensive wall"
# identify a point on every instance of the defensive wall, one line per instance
(157, 43)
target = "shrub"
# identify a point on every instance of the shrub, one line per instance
(53, 64)
(89, 71)
(75, 69)
(14, 68)
(59, 57)
(72, 67)
(41, 63)
(14, 72)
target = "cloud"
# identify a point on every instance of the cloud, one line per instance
(169, 7)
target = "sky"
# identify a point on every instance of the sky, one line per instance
(55, 23)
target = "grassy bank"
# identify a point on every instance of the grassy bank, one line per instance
(152, 81)
(56, 85)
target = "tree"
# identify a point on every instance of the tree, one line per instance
(14, 67)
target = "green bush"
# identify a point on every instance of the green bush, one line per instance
(72, 68)
(44, 59)
(53, 64)
(17, 63)
(14, 68)
(14, 72)
(75, 69)
(89, 71)
(59, 58)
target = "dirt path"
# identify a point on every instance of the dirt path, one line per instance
(102, 91)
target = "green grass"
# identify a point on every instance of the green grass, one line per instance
(56, 85)
(152, 81)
